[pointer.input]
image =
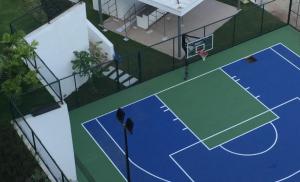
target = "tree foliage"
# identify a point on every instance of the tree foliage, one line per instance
(89, 63)
(15, 76)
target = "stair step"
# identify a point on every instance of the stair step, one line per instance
(114, 75)
(109, 71)
(131, 81)
(124, 77)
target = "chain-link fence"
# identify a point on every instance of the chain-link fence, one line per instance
(43, 13)
(295, 14)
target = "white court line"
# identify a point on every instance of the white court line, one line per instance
(104, 151)
(178, 151)
(166, 110)
(258, 153)
(162, 106)
(269, 110)
(245, 121)
(233, 77)
(288, 49)
(181, 121)
(276, 107)
(247, 91)
(237, 80)
(283, 179)
(184, 129)
(175, 119)
(247, 88)
(257, 96)
(142, 169)
(295, 66)
(181, 168)
(140, 100)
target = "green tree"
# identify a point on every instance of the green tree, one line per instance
(15, 76)
(90, 63)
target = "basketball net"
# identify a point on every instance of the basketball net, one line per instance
(202, 53)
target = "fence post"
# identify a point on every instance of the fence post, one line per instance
(234, 30)
(118, 75)
(76, 89)
(33, 139)
(139, 57)
(11, 28)
(262, 19)
(173, 57)
(60, 92)
(34, 60)
(62, 176)
(204, 30)
(290, 9)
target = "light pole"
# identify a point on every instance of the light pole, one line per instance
(127, 126)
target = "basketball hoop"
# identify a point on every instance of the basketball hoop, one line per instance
(202, 53)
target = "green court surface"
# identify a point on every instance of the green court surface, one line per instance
(211, 104)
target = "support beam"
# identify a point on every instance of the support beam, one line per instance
(290, 9)
(100, 13)
(179, 35)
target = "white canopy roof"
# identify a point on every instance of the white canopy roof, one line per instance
(172, 6)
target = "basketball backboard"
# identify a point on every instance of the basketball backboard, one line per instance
(192, 47)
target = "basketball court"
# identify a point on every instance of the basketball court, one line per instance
(236, 122)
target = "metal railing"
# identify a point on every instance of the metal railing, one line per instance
(46, 74)
(39, 149)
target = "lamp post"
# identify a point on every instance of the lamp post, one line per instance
(127, 126)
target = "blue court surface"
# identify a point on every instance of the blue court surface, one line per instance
(163, 148)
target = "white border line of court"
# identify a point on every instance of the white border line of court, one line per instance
(258, 153)
(288, 49)
(136, 165)
(181, 168)
(282, 179)
(104, 152)
(295, 66)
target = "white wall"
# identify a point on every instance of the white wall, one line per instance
(96, 36)
(122, 6)
(58, 40)
(54, 130)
